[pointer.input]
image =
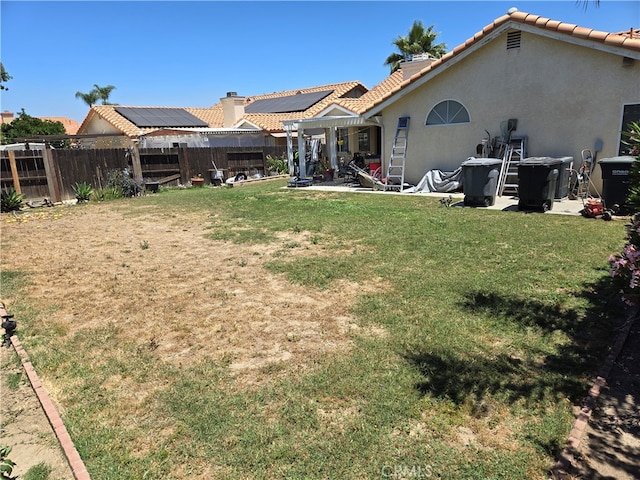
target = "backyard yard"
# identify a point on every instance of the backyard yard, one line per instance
(266, 332)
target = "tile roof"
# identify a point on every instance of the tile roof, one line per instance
(629, 39)
(213, 115)
(108, 113)
(360, 105)
(71, 126)
(272, 122)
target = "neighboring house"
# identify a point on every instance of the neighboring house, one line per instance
(235, 120)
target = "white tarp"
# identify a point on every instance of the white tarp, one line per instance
(438, 181)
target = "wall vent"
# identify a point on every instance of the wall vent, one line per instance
(513, 39)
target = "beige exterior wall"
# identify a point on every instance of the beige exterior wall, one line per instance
(99, 126)
(564, 96)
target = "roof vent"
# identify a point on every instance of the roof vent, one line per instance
(513, 39)
(232, 94)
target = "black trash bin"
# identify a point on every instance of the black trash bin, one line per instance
(564, 174)
(615, 182)
(537, 181)
(480, 181)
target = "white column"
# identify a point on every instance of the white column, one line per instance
(301, 154)
(332, 148)
(290, 149)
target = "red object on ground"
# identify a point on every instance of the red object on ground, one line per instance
(593, 208)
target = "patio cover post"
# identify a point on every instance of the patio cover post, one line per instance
(302, 161)
(332, 148)
(290, 150)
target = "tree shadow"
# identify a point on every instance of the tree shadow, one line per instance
(464, 376)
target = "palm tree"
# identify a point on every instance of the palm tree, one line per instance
(104, 92)
(89, 98)
(418, 41)
(4, 77)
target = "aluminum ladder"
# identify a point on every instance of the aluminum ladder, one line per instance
(395, 169)
(514, 152)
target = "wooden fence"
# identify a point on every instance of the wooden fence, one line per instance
(52, 173)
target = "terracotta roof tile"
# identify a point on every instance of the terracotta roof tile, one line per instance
(542, 22)
(582, 32)
(552, 24)
(566, 28)
(598, 36)
(614, 39)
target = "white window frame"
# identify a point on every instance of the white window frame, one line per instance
(449, 116)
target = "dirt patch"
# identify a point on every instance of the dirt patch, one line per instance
(169, 288)
(24, 425)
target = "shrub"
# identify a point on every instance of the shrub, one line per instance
(83, 192)
(633, 148)
(121, 181)
(625, 266)
(279, 164)
(10, 200)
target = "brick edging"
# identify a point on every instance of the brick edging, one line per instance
(566, 458)
(68, 448)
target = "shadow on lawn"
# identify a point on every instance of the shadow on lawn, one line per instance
(533, 374)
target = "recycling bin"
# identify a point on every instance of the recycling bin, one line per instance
(564, 174)
(537, 181)
(480, 181)
(615, 181)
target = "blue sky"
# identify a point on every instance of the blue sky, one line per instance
(189, 54)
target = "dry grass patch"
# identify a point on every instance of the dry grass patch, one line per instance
(163, 284)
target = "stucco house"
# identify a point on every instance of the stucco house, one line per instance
(568, 87)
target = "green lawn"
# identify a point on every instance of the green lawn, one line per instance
(494, 325)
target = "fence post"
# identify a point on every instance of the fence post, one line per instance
(183, 163)
(54, 188)
(14, 171)
(135, 160)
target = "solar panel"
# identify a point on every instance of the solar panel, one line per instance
(160, 117)
(292, 103)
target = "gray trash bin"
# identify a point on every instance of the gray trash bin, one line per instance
(564, 174)
(537, 180)
(480, 181)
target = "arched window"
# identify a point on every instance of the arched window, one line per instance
(446, 112)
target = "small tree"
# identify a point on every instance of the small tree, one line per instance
(26, 126)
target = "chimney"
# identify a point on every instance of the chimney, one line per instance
(6, 117)
(232, 109)
(417, 63)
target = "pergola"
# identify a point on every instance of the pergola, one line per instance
(330, 124)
